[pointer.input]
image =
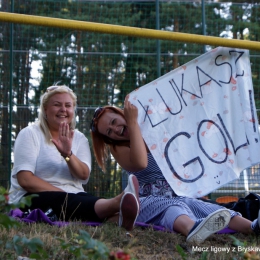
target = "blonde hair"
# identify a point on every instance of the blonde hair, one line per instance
(44, 99)
(101, 143)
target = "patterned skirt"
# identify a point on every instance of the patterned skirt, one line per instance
(163, 211)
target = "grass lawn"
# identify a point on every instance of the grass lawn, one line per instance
(139, 244)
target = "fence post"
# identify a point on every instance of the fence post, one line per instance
(158, 41)
(10, 95)
(203, 22)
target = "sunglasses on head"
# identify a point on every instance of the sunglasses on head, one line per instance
(51, 88)
(95, 116)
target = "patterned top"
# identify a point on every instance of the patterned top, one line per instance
(152, 181)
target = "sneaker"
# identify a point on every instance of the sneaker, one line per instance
(129, 209)
(213, 223)
(256, 225)
(133, 186)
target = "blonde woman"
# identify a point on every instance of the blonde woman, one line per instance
(52, 159)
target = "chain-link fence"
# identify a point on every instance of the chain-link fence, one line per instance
(103, 68)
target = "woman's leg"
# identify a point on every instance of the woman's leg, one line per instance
(66, 206)
(183, 224)
(106, 208)
(123, 208)
(205, 227)
(241, 224)
(197, 231)
(126, 204)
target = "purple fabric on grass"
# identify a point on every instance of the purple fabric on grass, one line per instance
(37, 215)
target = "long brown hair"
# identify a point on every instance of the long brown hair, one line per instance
(101, 143)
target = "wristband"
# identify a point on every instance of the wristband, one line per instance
(67, 158)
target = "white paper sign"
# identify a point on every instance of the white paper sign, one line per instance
(199, 121)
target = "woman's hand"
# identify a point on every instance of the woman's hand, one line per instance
(77, 168)
(133, 158)
(64, 142)
(130, 111)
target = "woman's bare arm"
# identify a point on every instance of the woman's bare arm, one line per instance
(133, 158)
(77, 168)
(31, 183)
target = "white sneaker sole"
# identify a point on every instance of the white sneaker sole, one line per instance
(213, 223)
(129, 209)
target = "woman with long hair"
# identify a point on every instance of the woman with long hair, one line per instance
(117, 130)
